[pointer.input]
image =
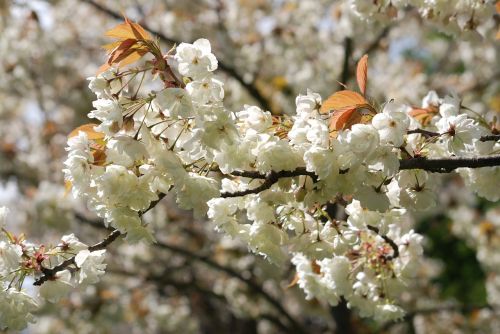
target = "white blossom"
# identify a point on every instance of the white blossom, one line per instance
(91, 266)
(195, 60)
(459, 132)
(57, 287)
(174, 102)
(391, 124)
(206, 90)
(10, 257)
(15, 309)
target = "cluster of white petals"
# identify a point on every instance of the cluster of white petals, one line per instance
(269, 181)
(178, 138)
(20, 258)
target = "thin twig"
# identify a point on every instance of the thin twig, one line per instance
(376, 42)
(423, 132)
(49, 273)
(269, 179)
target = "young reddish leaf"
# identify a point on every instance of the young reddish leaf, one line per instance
(103, 68)
(346, 118)
(341, 117)
(130, 46)
(356, 118)
(138, 31)
(124, 48)
(128, 30)
(99, 155)
(89, 130)
(126, 55)
(121, 31)
(343, 99)
(423, 115)
(362, 74)
(111, 46)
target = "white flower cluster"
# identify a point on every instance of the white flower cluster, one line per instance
(452, 15)
(20, 259)
(179, 136)
(270, 181)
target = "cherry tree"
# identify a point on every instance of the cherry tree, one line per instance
(299, 164)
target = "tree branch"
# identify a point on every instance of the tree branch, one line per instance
(447, 165)
(376, 42)
(429, 134)
(346, 72)
(444, 165)
(490, 138)
(423, 132)
(49, 273)
(269, 179)
(229, 70)
(343, 318)
(348, 50)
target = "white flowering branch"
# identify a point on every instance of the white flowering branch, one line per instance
(49, 273)
(135, 151)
